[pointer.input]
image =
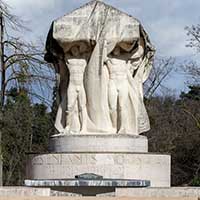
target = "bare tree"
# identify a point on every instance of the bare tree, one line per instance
(192, 68)
(192, 71)
(175, 130)
(21, 62)
(193, 33)
(160, 72)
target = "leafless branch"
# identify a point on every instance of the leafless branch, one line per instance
(160, 72)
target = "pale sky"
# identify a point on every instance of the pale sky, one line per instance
(164, 21)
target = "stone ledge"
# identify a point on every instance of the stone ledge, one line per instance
(174, 193)
(24, 191)
(159, 192)
(98, 143)
(94, 198)
(86, 183)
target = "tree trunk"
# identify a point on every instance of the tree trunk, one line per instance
(2, 67)
(2, 99)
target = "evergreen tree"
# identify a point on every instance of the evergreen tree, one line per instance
(41, 128)
(17, 130)
(193, 94)
(25, 128)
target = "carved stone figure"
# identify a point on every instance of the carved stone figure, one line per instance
(118, 88)
(119, 66)
(76, 64)
(100, 86)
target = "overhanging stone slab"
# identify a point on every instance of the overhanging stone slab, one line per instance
(86, 183)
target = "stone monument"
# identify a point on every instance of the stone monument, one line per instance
(102, 57)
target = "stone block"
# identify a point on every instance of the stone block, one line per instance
(141, 166)
(171, 192)
(24, 191)
(93, 198)
(98, 143)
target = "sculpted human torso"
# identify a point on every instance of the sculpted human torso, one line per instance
(120, 66)
(117, 89)
(76, 68)
(117, 69)
(76, 64)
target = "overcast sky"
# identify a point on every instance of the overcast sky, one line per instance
(164, 20)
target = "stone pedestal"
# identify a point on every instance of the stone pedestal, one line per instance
(115, 157)
(98, 143)
(153, 167)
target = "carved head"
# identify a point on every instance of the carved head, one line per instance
(75, 51)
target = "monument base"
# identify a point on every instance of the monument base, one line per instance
(140, 166)
(120, 161)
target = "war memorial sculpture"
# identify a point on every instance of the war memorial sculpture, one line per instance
(102, 57)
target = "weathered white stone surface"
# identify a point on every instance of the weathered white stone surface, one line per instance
(102, 57)
(98, 143)
(24, 191)
(183, 193)
(153, 167)
(94, 198)
(159, 192)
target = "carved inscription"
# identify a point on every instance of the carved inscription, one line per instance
(54, 159)
(38, 160)
(82, 159)
(63, 166)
